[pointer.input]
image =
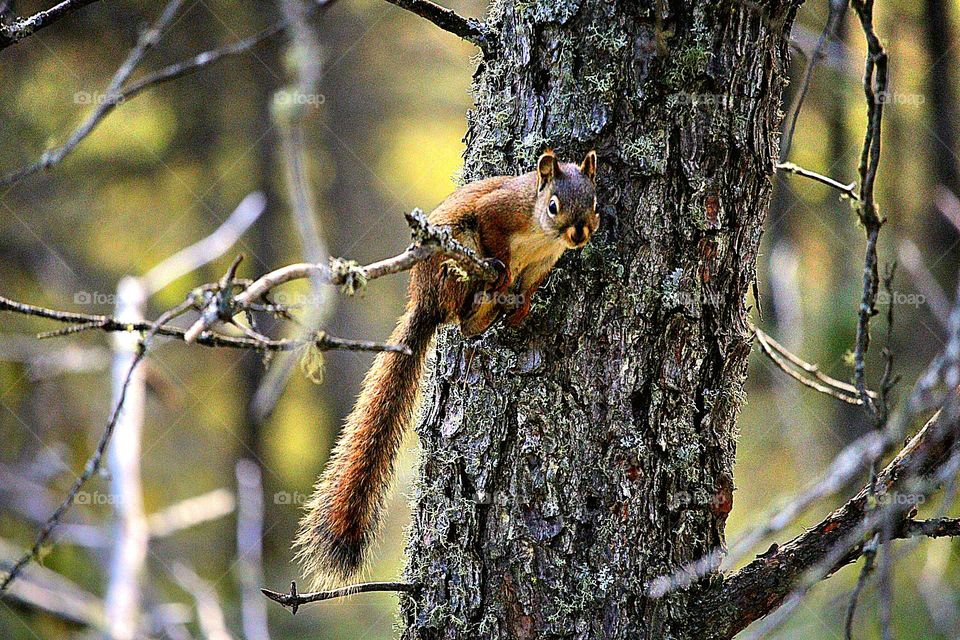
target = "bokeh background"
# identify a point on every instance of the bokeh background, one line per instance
(167, 168)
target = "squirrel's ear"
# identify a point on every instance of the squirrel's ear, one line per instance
(589, 166)
(546, 168)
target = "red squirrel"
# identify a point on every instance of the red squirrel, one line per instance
(521, 225)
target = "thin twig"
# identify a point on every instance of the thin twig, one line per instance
(120, 95)
(294, 599)
(874, 88)
(91, 467)
(428, 240)
(848, 190)
(304, 55)
(822, 383)
(869, 556)
(25, 27)
(109, 324)
(838, 8)
(469, 29)
(148, 39)
(190, 65)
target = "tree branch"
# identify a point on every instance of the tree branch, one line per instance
(294, 599)
(874, 88)
(469, 29)
(849, 190)
(116, 94)
(838, 9)
(92, 466)
(764, 584)
(110, 324)
(790, 363)
(25, 27)
(148, 39)
(428, 240)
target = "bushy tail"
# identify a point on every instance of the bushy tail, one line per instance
(343, 515)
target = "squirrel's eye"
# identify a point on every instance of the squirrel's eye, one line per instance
(554, 207)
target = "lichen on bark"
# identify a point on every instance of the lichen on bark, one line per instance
(568, 463)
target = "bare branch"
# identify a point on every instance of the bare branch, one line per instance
(208, 249)
(128, 553)
(294, 599)
(91, 467)
(191, 512)
(821, 382)
(304, 55)
(837, 540)
(869, 555)
(253, 608)
(845, 466)
(849, 190)
(838, 8)
(428, 241)
(874, 88)
(469, 29)
(197, 62)
(213, 624)
(148, 39)
(933, 528)
(25, 27)
(117, 94)
(109, 324)
(50, 592)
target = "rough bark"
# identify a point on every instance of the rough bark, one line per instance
(568, 463)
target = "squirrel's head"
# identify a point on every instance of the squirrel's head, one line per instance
(566, 198)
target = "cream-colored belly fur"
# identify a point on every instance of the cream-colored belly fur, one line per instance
(532, 255)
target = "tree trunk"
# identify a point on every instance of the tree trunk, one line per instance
(941, 114)
(568, 463)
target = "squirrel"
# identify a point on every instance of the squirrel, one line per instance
(521, 225)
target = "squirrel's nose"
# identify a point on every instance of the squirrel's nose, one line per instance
(577, 235)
